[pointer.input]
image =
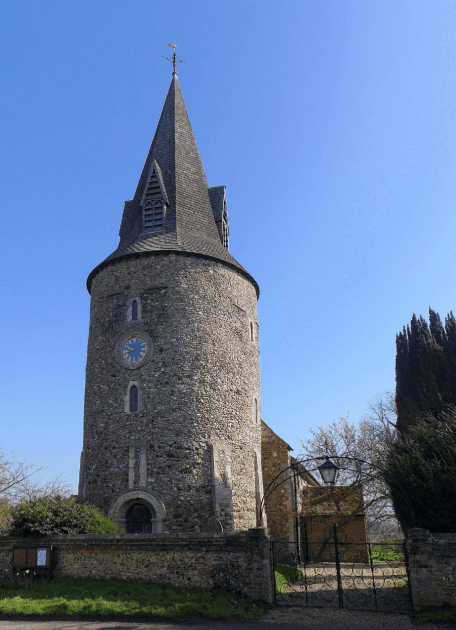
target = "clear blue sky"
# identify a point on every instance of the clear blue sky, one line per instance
(333, 126)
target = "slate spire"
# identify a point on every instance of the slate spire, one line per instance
(173, 208)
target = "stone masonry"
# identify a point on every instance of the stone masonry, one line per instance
(432, 561)
(196, 391)
(172, 401)
(239, 562)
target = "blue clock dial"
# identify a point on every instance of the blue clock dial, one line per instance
(134, 350)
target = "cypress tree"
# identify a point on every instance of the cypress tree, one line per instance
(420, 474)
(450, 351)
(425, 368)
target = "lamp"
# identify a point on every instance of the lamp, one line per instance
(329, 471)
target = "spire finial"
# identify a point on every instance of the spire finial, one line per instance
(173, 59)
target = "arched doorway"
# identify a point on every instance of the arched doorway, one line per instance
(121, 506)
(138, 519)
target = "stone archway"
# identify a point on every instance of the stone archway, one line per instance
(140, 506)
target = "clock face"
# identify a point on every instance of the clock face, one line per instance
(134, 350)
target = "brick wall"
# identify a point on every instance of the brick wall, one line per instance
(432, 559)
(238, 562)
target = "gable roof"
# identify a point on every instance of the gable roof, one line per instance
(189, 222)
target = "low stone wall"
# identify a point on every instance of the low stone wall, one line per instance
(239, 562)
(432, 559)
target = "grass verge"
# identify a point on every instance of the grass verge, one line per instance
(88, 596)
(387, 555)
(434, 614)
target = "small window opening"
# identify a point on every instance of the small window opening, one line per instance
(134, 311)
(255, 410)
(133, 398)
(251, 331)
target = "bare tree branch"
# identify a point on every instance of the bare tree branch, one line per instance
(369, 441)
(14, 472)
(17, 485)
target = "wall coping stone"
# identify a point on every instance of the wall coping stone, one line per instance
(255, 536)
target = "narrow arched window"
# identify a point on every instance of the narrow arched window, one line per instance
(251, 331)
(133, 398)
(134, 309)
(255, 410)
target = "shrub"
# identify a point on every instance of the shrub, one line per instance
(421, 469)
(286, 574)
(57, 515)
(5, 516)
(102, 524)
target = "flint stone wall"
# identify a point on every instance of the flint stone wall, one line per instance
(197, 389)
(432, 559)
(237, 562)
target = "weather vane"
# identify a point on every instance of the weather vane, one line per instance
(173, 59)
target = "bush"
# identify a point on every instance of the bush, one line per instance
(5, 516)
(102, 524)
(57, 515)
(286, 574)
(421, 469)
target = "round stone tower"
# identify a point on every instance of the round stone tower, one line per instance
(172, 435)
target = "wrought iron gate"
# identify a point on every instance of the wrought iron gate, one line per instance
(340, 574)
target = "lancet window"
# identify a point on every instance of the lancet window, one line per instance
(134, 406)
(132, 400)
(134, 309)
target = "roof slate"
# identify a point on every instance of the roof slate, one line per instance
(189, 222)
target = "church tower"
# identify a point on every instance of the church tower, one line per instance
(172, 430)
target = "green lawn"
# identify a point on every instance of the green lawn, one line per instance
(88, 596)
(387, 555)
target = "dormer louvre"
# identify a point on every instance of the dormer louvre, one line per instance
(225, 230)
(154, 203)
(217, 196)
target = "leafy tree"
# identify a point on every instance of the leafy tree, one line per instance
(421, 472)
(425, 368)
(58, 515)
(370, 441)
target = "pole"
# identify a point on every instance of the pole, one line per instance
(340, 593)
